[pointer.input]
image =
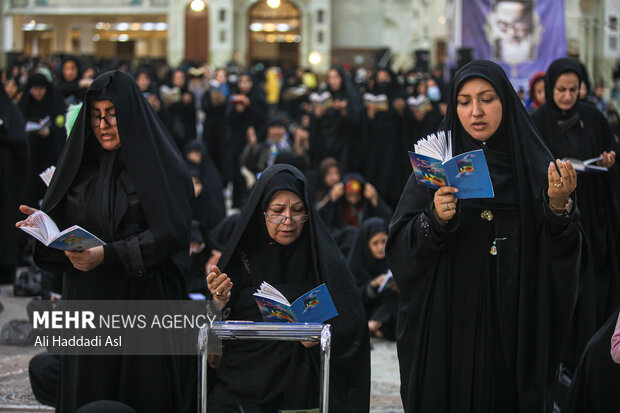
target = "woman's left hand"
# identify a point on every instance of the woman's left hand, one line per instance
(86, 260)
(560, 188)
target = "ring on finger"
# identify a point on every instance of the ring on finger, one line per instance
(218, 293)
(558, 185)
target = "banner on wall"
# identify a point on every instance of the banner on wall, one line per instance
(523, 36)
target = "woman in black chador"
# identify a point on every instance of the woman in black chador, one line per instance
(40, 101)
(279, 238)
(382, 137)
(247, 109)
(574, 129)
(121, 178)
(369, 266)
(486, 285)
(334, 129)
(13, 144)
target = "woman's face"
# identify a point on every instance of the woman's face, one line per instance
(178, 79)
(38, 92)
(376, 245)
(220, 76)
(332, 177)
(334, 80)
(383, 76)
(10, 88)
(479, 109)
(70, 71)
(539, 91)
(144, 81)
(245, 84)
(285, 204)
(566, 90)
(105, 130)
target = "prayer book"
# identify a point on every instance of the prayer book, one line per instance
(380, 100)
(37, 126)
(321, 99)
(315, 306)
(294, 92)
(419, 102)
(172, 94)
(587, 165)
(388, 281)
(74, 238)
(434, 167)
(46, 175)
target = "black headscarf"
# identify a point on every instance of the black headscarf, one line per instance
(348, 92)
(362, 263)
(516, 155)
(147, 153)
(51, 105)
(320, 263)
(562, 119)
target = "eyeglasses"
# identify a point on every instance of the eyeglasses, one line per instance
(281, 219)
(95, 120)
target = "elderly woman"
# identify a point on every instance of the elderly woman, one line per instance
(121, 178)
(486, 285)
(279, 238)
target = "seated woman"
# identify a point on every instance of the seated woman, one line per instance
(369, 265)
(352, 202)
(121, 178)
(280, 239)
(486, 286)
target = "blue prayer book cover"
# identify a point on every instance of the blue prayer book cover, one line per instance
(315, 306)
(468, 172)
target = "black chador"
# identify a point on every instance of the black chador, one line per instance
(485, 300)
(270, 375)
(582, 132)
(136, 199)
(13, 143)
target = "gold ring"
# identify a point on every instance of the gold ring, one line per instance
(558, 185)
(218, 293)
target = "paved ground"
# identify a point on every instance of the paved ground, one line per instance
(16, 395)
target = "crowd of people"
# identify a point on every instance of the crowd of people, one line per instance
(213, 180)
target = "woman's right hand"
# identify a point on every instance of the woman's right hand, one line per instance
(445, 203)
(219, 285)
(24, 209)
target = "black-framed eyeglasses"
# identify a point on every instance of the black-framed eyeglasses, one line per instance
(95, 120)
(281, 219)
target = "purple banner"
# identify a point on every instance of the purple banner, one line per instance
(523, 36)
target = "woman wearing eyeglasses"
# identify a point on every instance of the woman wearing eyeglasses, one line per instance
(121, 178)
(280, 239)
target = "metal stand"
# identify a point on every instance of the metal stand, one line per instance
(267, 331)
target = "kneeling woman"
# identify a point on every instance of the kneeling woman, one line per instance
(486, 285)
(280, 238)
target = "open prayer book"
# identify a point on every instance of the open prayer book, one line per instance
(37, 126)
(74, 238)
(314, 306)
(321, 99)
(587, 165)
(380, 100)
(434, 167)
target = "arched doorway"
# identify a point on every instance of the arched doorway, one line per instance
(274, 33)
(196, 34)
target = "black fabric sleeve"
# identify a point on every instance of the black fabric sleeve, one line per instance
(138, 254)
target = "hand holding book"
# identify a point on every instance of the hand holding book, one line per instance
(84, 250)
